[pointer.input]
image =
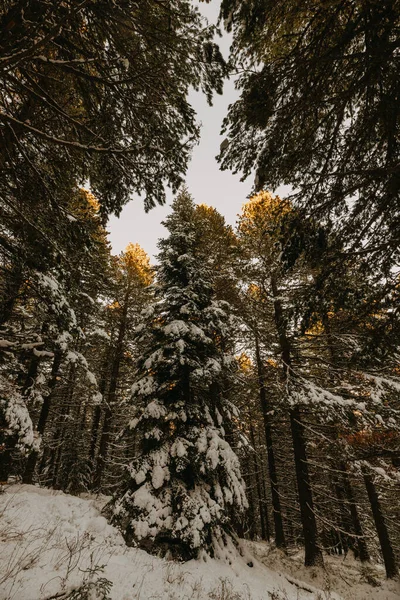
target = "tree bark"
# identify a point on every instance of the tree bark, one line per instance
(44, 413)
(265, 535)
(381, 528)
(95, 431)
(357, 527)
(348, 491)
(251, 513)
(273, 477)
(107, 422)
(313, 554)
(14, 279)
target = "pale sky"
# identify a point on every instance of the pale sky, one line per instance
(205, 182)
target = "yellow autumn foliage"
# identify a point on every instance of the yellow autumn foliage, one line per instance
(262, 212)
(137, 262)
(244, 362)
(90, 199)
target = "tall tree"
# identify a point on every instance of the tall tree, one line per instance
(50, 315)
(258, 232)
(319, 110)
(185, 487)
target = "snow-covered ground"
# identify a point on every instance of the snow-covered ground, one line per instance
(51, 542)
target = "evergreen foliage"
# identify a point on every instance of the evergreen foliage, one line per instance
(185, 485)
(98, 91)
(319, 111)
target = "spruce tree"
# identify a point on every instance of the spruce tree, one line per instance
(185, 487)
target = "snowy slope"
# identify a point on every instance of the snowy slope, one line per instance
(50, 542)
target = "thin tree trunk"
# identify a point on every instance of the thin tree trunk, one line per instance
(56, 464)
(264, 529)
(313, 553)
(9, 293)
(44, 413)
(107, 422)
(31, 375)
(60, 435)
(103, 448)
(7, 445)
(273, 477)
(357, 527)
(251, 513)
(95, 431)
(346, 541)
(266, 518)
(381, 528)
(356, 523)
(51, 457)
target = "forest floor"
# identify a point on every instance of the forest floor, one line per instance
(52, 543)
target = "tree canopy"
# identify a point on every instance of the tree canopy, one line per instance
(319, 111)
(100, 88)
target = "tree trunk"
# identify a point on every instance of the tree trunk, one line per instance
(357, 527)
(65, 417)
(266, 518)
(348, 491)
(313, 553)
(107, 422)
(383, 534)
(55, 464)
(103, 448)
(44, 413)
(95, 431)
(9, 292)
(265, 535)
(273, 477)
(7, 445)
(251, 513)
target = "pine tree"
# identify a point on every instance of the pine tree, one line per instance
(319, 111)
(259, 235)
(185, 487)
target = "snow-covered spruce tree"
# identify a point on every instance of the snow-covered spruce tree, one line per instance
(185, 487)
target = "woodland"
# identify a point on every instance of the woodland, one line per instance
(247, 386)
